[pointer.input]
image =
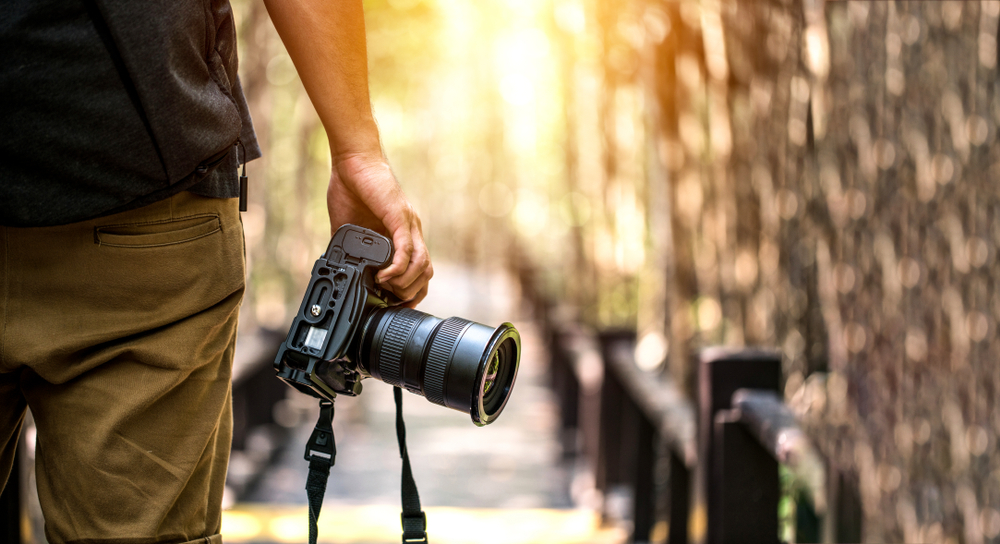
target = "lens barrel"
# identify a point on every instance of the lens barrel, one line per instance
(453, 362)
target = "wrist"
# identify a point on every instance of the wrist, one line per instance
(360, 165)
(360, 142)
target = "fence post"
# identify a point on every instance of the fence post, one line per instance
(617, 432)
(609, 453)
(679, 500)
(721, 371)
(748, 488)
(844, 523)
(644, 509)
(564, 382)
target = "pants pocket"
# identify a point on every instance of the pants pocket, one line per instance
(159, 233)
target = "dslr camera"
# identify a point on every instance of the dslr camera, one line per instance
(347, 329)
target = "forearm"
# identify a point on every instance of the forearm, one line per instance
(326, 41)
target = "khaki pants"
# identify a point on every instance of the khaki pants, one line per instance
(118, 333)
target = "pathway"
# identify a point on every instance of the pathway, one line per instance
(502, 483)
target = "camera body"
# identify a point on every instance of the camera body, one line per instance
(347, 329)
(319, 356)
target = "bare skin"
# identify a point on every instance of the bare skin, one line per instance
(326, 41)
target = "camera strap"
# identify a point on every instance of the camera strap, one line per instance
(321, 452)
(413, 519)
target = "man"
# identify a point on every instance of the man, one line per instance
(121, 256)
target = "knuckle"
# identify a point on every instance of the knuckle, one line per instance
(406, 213)
(420, 260)
(407, 294)
(406, 247)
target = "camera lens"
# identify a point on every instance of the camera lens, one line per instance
(453, 362)
(491, 374)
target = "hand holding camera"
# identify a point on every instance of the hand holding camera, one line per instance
(363, 191)
(347, 330)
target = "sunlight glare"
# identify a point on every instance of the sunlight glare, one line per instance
(571, 17)
(521, 50)
(391, 120)
(403, 5)
(651, 350)
(531, 212)
(517, 89)
(289, 528)
(240, 525)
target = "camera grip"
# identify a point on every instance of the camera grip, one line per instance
(352, 244)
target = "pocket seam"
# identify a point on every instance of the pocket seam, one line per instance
(99, 231)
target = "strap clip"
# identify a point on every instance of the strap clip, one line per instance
(414, 528)
(321, 447)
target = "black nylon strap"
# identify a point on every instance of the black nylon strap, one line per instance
(413, 519)
(315, 489)
(321, 453)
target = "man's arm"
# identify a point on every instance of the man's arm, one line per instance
(326, 41)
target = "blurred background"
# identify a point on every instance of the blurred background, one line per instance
(630, 182)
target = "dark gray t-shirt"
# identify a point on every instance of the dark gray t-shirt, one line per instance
(77, 141)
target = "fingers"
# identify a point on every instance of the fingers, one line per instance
(403, 243)
(411, 284)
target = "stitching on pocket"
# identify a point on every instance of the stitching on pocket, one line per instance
(157, 233)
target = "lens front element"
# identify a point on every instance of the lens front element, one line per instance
(499, 371)
(453, 362)
(491, 374)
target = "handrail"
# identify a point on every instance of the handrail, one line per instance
(660, 400)
(774, 425)
(728, 445)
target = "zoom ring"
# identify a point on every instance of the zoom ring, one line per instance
(439, 355)
(398, 331)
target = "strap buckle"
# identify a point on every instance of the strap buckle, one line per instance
(414, 528)
(321, 447)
